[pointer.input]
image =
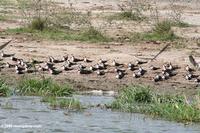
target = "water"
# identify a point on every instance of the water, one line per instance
(26, 111)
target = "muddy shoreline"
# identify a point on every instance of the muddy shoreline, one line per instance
(123, 53)
(25, 46)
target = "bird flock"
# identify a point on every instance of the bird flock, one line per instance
(101, 67)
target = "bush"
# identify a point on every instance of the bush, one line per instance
(163, 27)
(38, 24)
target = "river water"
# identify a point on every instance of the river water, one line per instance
(18, 114)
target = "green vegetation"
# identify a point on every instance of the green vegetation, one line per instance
(161, 32)
(51, 93)
(47, 21)
(4, 89)
(63, 103)
(38, 24)
(43, 87)
(90, 34)
(141, 99)
(126, 15)
(2, 18)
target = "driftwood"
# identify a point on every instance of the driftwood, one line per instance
(192, 61)
(4, 45)
(162, 50)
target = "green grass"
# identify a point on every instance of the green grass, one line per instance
(126, 15)
(140, 99)
(38, 24)
(4, 89)
(43, 87)
(160, 32)
(90, 34)
(63, 103)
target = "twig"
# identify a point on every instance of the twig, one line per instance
(162, 50)
(4, 45)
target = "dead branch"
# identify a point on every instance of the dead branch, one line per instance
(4, 45)
(162, 50)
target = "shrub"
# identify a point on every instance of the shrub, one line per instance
(38, 24)
(163, 27)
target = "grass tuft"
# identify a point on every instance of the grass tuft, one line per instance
(126, 15)
(161, 32)
(43, 87)
(93, 35)
(63, 103)
(38, 24)
(141, 99)
(4, 89)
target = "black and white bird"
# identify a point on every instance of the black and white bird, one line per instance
(197, 80)
(188, 76)
(137, 62)
(99, 72)
(19, 72)
(157, 78)
(40, 68)
(188, 69)
(130, 66)
(141, 71)
(84, 71)
(74, 59)
(65, 58)
(99, 66)
(119, 75)
(8, 65)
(119, 70)
(66, 68)
(54, 72)
(86, 60)
(6, 55)
(153, 67)
(13, 58)
(102, 61)
(135, 75)
(53, 60)
(17, 67)
(114, 63)
(80, 66)
(29, 70)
